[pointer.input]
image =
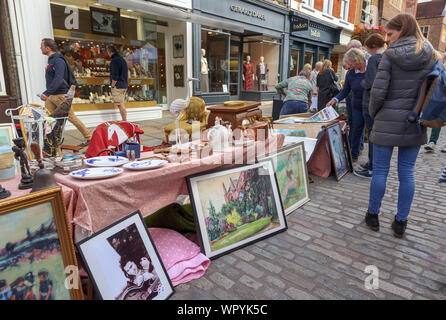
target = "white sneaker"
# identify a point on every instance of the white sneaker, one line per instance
(430, 147)
(443, 148)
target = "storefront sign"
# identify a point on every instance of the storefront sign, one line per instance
(248, 12)
(299, 24)
(315, 33)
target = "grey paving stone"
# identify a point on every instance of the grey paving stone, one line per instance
(297, 294)
(250, 282)
(249, 269)
(221, 280)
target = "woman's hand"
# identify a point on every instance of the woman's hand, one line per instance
(331, 102)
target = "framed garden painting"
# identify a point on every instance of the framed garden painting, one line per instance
(236, 207)
(292, 175)
(123, 262)
(337, 151)
(36, 248)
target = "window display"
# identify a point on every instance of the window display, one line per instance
(263, 56)
(216, 45)
(294, 63)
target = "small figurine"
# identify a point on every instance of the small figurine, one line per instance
(4, 193)
(20, 155)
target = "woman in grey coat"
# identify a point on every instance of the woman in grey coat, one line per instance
(403, 66)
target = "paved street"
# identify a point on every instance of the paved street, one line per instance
(327, 246)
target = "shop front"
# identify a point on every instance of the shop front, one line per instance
(239, 65)
(311, 41)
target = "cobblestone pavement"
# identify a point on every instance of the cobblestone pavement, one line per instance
(324, 252)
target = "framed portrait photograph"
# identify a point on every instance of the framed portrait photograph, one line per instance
(105, 22)
(292, 175)
(337, 151)
(178, 76)
(178, 46)
(236, 207)
(36, 247)
(123, 262)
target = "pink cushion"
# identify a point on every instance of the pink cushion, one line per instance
(181, 257)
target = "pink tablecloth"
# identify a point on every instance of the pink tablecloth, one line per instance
(98, 203)
(13, 184)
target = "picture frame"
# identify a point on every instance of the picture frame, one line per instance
(105, 22)
(290, 167)
(178, 46)
(348, 150)
(337, 151)
(37, 256)
(7, 134)
(230, 216)
(130, 267)
(178, 76)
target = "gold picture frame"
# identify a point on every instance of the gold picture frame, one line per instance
(34, 228)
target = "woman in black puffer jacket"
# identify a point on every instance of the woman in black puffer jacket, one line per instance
(403, 66)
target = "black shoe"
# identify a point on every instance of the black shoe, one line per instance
(399, 227)
(364, 166)
(372, 221)
(363, 174)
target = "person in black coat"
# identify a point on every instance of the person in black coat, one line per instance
(375, 45)
(325, 83)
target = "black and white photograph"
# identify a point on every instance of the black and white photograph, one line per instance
(124, 264)
(105, 22)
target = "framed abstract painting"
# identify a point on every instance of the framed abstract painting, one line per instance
(292, 175)
(37, 258)
(337, 151)
(235, 207)
(123, 262)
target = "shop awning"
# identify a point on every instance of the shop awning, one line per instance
(171, 12)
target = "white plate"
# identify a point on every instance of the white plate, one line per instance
(106, 161)
(96, 173)
(145, 164)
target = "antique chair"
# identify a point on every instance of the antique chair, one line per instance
(195, 111)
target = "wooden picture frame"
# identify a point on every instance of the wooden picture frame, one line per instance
(337, 151)
(117, 257)
(105, 22)
(228, 219)
(178, 46)
(7, 134)
(36, 239)
(348, 150)
(296, 168)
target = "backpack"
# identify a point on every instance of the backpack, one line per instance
(430, 108)
(71, 79)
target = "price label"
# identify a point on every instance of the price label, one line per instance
(135, 81)
(82, 81)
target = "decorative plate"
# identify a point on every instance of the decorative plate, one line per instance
(96, 173)
(145, 165)
(106, 161)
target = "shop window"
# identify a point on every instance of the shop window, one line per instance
(321, 57)
(344, 9)
(328, 7)
(139, 44)
(261, 57)
(215, 63)
(294, 63)
(366, 15)
(2, 79)
(425, 31)
(308, 58)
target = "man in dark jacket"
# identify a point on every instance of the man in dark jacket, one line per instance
(118, 80)
(57, 77)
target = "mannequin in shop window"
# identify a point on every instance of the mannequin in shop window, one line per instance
(248, 75)
(262, 75)
(204, 72)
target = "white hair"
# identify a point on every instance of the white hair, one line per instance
(354, 44)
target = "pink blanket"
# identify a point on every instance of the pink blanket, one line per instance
(181, 257)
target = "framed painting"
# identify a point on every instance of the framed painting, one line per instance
(105, 22)
(178, 76)
(7, 134)
(178, 46)
(348, 150)
(236, 207)
(37, 258)
(123, 262)
(337, 151)
(292, 175)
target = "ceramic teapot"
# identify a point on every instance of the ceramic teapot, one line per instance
(218, 136)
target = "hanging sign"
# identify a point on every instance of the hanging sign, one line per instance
(299, 24)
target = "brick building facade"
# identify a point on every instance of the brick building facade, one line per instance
(431, 17)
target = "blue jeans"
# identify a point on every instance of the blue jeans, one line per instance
(356, 131)
(407, 156)
(369, 124)
(348, 103)
(292, 107)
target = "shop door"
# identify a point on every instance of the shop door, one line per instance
(294, 62)
(234, 70)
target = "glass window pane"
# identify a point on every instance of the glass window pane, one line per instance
(214, 63)
(294, 63)
(308, 58)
